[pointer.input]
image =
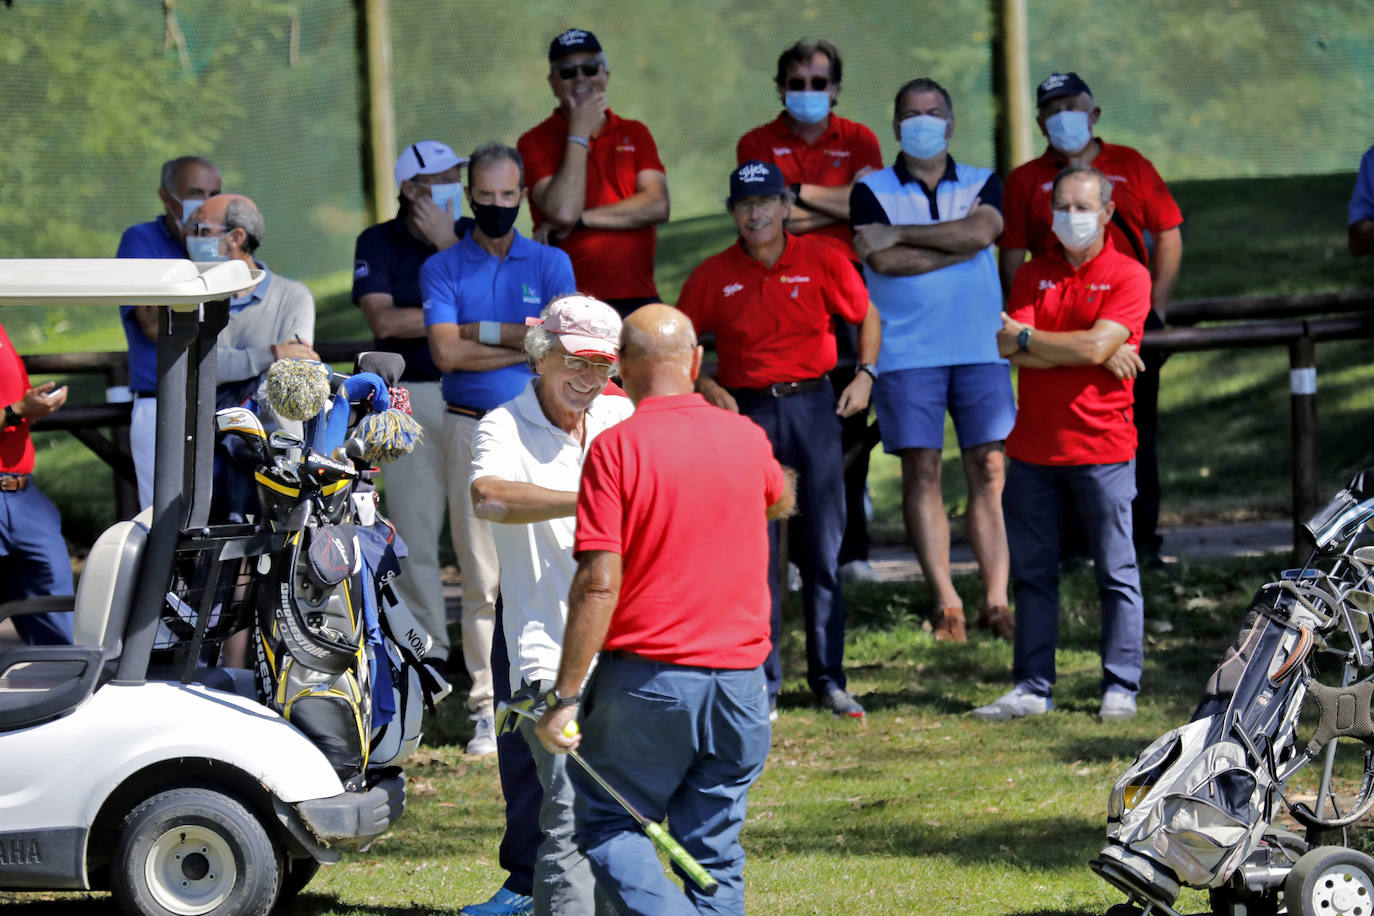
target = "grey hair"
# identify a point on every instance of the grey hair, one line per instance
(171, 170)
(538, 341)
(244, 214)
(921, 85)
(1104, 184)
(491, 153)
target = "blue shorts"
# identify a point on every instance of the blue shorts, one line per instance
(912, 404)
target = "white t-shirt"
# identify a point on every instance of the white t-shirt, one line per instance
(516, 442)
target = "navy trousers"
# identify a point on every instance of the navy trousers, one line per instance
(34, 563)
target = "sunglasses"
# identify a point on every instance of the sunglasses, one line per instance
(589, 69)
(578, 364)
(818, 83)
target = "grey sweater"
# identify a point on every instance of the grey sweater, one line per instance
(244, 348)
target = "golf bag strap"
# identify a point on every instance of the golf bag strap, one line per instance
(1308, 818)
(1295, 658)
(1343, 713)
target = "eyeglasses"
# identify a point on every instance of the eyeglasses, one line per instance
(578, 364)
(589, 69)
(818, 83)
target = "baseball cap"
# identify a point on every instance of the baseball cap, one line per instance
(428, 157)
(572, 41)
(1057, 85)
(756, 179)
(585, 326)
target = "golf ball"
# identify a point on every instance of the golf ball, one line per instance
(570, 730)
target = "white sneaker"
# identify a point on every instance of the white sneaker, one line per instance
(856, 571)
(483, 743)
(794, 580)
(1117, 706)
(1014, 704)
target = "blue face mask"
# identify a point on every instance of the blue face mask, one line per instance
(205, 248)
(807, 107)
(923, 136)
(445, 194)
(1069, 131)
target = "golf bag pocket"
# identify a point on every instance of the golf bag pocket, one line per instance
(331, 714)
(396, 739)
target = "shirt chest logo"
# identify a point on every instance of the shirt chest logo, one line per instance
(732, 288)
(529, 295)
(837, 153)
(625, 146)
(782, 151)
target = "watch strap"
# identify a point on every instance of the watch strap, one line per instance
(553, 701)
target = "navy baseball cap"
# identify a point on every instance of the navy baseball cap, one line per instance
(756, 179)
(572, 41)
(1058, 85)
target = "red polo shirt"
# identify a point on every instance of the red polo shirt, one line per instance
(773, 324)
(1077, 414)
(833, 160)
(16, 448)
(608, 263)
(1141, 196)
(694, 583)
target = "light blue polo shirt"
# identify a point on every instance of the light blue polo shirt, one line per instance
(948, 317)
(464, 283)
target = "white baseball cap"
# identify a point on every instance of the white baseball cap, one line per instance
(428, 157)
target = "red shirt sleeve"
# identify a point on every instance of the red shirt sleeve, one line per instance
(865, 151)
(1016, 199)
(646, 151)
(695, 301)
(847, 295)
(600, 510)
(753, 145)
(1129, 302)
(1024, 294)
(1161, 210)
(541, 160)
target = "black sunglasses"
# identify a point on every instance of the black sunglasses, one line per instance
(589, 68)
(797, 84)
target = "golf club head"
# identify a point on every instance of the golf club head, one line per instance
(320, 471)
(242, 424)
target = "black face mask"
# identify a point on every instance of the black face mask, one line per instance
(494, 221)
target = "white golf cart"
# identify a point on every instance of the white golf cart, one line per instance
(129, 764)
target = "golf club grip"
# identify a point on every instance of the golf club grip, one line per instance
(679, 855)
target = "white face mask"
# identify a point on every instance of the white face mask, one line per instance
(1076, 230)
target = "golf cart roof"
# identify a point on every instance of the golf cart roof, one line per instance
(121, 281)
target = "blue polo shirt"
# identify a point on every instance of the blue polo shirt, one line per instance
(947, 317)
(387, 259)
(145, 240)
(1362, 200)
(464, 283)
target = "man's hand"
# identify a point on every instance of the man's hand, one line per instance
(549, 729)
(40, 401)
(874, 237)
(434, 222)
(1007, 335)
(587, 115)
(296, 349)
(1125, 362)
(854, 399)
(715, 394)
(548, 233)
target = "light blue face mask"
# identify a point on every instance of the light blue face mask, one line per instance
(205, 248)
(445, 194)
(808, 107)
(923, 136)
(1069, 131)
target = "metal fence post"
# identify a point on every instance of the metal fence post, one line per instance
(1302, 362)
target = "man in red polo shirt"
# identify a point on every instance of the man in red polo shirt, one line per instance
(821, 155)
(597, 186)
(1076, 315)
(1145, 211)
(33, 555)
(669, 591)
(770, 299)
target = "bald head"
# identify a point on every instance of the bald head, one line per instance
(225, 213)
(659, 355)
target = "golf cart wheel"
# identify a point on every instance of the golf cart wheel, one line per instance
(299, 873)
(194, 852)
(1123, 909)
(1331, 881)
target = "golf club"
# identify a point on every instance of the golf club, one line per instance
(653, 829)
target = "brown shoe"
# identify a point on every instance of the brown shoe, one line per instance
(999, 620)
(949, 625)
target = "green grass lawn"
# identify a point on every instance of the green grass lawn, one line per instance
(919, 810)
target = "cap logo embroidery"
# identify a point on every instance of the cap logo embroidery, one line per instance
(753, 172)
(1054, 81)
(571, 37)
(732, 289)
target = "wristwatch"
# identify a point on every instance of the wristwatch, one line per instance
(1023, 340)
(869, 368)
(12, 418)
(553, 701)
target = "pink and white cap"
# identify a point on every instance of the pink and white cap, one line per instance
(585, 326)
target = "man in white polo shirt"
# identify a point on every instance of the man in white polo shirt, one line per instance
(525, 472)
